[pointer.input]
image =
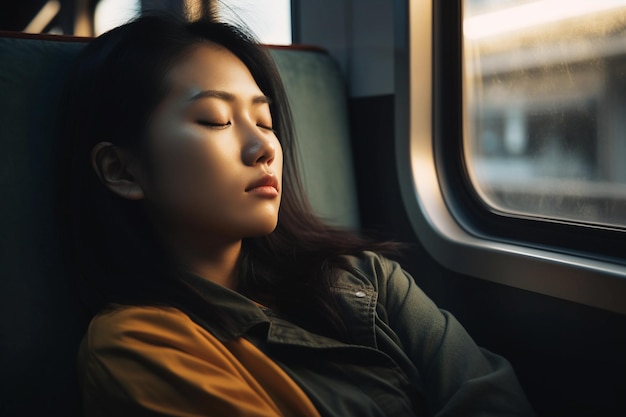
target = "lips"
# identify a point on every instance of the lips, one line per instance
(266, 181)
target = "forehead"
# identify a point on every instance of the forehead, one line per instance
(209, 66)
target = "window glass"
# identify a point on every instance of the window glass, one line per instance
(545, 107)
(113, 13)
(269, 20)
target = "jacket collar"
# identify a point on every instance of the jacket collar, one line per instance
(243, 313)
(356, 298)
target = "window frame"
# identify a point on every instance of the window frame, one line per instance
(568, 260)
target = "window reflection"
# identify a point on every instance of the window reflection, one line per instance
(545, 107)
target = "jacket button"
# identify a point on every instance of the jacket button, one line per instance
(360, 294)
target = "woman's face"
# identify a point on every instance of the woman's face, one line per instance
(216, 164)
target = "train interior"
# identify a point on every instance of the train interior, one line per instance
(494, 153)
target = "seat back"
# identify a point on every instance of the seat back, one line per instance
(319, 104)
(38, 314)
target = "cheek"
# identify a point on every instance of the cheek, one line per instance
(192, 177)
(278, 161)
(277, 165)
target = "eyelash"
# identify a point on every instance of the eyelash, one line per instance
(225, 125)
(214, 125)
(267, 128)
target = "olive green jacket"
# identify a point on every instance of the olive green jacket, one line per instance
(406, 357)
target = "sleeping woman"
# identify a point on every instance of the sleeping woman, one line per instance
(212, 288)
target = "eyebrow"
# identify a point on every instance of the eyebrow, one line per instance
(226, 96)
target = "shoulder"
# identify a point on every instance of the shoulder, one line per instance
(129, 327)
(395, 288)
(117, 314)
(139, 360)
(371, 268)
(126, 347)
(116, 319)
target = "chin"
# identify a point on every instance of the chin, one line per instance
(262, 228)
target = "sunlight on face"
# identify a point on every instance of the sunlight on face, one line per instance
(217, 161)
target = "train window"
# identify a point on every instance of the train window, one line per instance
(545, 107)
(112, 13)
(517, 211)
(269, 20)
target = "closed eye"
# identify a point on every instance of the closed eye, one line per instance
(271, 129)
(214, 125)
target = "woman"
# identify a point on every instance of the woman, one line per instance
(206, 301)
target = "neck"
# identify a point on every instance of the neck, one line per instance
(211, 257)
(215, 262)
(219, 266)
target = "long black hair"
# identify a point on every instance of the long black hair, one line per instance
(120, 78)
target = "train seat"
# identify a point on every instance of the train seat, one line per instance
(39, 326)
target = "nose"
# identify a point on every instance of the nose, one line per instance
(259, 148)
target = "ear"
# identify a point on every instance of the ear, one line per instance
(118, 170)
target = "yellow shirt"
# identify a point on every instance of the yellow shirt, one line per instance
(138, 361)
